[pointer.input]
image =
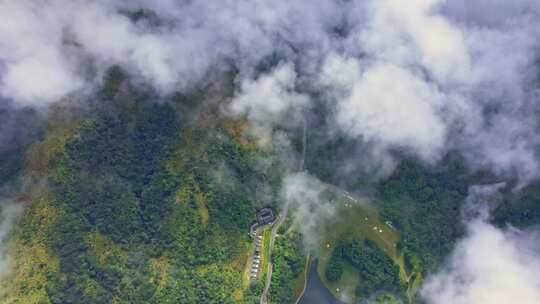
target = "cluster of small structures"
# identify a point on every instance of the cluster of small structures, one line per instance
(264, 217)
(256, 262)
(377, 229)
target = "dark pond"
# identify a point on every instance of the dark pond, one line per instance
(316, 292)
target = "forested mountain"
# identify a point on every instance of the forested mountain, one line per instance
(256, 151)
(136, 205)
(140, 204)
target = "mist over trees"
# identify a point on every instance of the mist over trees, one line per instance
(138, 139)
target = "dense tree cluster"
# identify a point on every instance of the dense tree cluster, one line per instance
(136, 210)
(288, 268)
(334, 268)
(136, 205)
(376, 270)
(521, 209)
(424, 204)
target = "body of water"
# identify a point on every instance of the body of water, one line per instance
(316, 291)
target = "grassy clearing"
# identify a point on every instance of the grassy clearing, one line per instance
(192, 190)
(104, 250)
(413, 278)
(301, 281)
(250, 247)
(202, 207)
(40, 154)
(414, 285)
(161, 270)
(265, 257)
(33, 263)
(265, 252)
(361, 222)
(358, 220)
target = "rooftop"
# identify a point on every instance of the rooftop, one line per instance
(265, 216)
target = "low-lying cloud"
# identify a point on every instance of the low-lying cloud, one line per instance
(490, 265)
(9, 211)
(421, 78)
(384, 105)
(304, 196)
(426, 77)
(268, 100)
(414, 78)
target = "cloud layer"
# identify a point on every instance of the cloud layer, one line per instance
(303, 194)
(425, 77)
(421, 78)
(50, 50)
(9, 211)
(489, 266)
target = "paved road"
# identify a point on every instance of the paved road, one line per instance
(275, 228)
(281, 219)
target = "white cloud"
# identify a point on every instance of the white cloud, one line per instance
(310, 210)
(416, 79)
(392, 106)
(192, 39)
(34, 68)
(490, 265)
(9, 213)
(413, 34)
(269, 99)
(269, 96)
(420, 76)
(32, 80)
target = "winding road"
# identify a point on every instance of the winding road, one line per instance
(275, 228)
(281, 218)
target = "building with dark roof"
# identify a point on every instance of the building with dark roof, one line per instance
(265, 216)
